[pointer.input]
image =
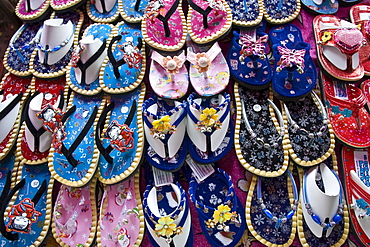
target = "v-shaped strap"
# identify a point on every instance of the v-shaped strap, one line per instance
(164, 19)
(203, 12)
(11, 106)
(28, 3)
(137, 4)
(102, 2)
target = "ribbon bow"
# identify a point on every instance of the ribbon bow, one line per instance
(251, 47)
(290, 58)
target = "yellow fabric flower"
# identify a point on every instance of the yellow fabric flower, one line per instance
(222, 214)
(326, 37)
(165, 227)
(163, 124)
(208, 117)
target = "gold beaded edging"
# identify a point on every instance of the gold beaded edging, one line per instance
(64, 70)
(214, 36)
(13, 71)
(284, 20)
(238, 151)
(35, 15)
(69, 67)
(102, 20)
(249, 220)
(126, 17)
(65, 6)
(140, 144)
(254, 22)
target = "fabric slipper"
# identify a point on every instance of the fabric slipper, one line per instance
(21, 45)
(256, 123)
(280, 12)
(337, 44)
(321, 7)
(168, 75)
(345, 105)
(163, 25)
(31, 10)
(210, 127)
(74, 217)
(121, 143)
(209, 72)
(208, 20)
(13, 93)
(73, 158)
(294, 70)
(28, 213)
(247, 59)
(133, 11)
(121, 220)
(103, 11)
(63, 6)
(246, 14)
(87, 59)
(124, 67)
(55, 42)
(322, 212)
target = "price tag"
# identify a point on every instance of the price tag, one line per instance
(201, 172)
(364, 16)
(362, 166)
(162, 178)
(340, 90)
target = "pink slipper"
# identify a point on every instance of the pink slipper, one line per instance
(32, 11)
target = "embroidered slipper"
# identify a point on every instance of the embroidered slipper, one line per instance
(280, 12)
(28, 213)
(246, 14)
(87, 59)
(258, 133)
(294, 70)
(337, 44)
(105, 11)
(122, 141)
(121, 221)
(321, 7)
(73, 157)
(164, 127)
(74, 216)
(322, 212)
(124, 67)
(133, 11)
(209, 72)
(163, 25)
(247, 59)
(220, 212)
(311, 137)
(31, 10)
(168, 75)
(13, 93)
(357, 182)
(34, 140)
(64, 6)
(345, 105)
(210, 127)
(21, 45)
(55, 42)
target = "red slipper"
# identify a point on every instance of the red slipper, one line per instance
(365, 86)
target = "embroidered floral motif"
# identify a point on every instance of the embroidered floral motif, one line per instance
(290, 58)
(208, 120)
(131, 53)
(251, 47)
(161, 127)
(172, 65)
(120, 136)
(221, 218)
(222, 214)
(326, 36)
(153, 9)
(203, 62)
(167, 228)
(76, 55)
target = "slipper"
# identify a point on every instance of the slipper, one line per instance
(271, 209)
(220, 212)
(311, 138)
(337, 44)
(247, 59)
(133, 11)
(27, 207)
(163, 25)
(87, 59)
(34, 140)
(124, 67)
(121, 143)
(64, 6)
(321, 7)
(168, 75)
(21, 45)
(13, 93)
(55, 42)
(164, 127)
(345, 105)
(209, 73)
(121, 221)
(357, 182)
(208, 20)
(365, 86)
(210, 127)
(73, 157)
(295, 72)
(246, 14)
(322, 212)
(74, 216)
(31, 10)
(105, 11)
(256, 123)
(280, 12)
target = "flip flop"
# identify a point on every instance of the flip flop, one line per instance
(121, 221)
(124, 67)
(121, 143)
(133, 11)
(13, 93)
(321, 7)
(260, 137)
(61, 34)
(246, 14)
(87, 59)
(280, 12)
(32, 11)
(337, 54)
(74, 216)
(73, 157)
(104, 11)
(63, 6)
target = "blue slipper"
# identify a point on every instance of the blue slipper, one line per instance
(83, 77)
(322, 7)
(123, 143)
(295, 73)
(246, 14)
(281, 11)
(133, 11)
(124, 68)
(103, 11)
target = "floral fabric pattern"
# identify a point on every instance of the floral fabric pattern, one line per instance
(280, 9)
(244, 10)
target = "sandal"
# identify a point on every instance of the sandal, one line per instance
(246, 14)
(280, 12)
(133, 11)
(32, 11)
(103, 11)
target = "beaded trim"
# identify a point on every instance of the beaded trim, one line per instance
(54, 49)
(16, 36)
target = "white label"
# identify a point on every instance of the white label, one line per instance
(325, 19)
(201, 172)
(340, 90)
(162, 178)
(364, 16)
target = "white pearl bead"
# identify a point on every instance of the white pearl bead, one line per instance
(171, 64)
(203, 62)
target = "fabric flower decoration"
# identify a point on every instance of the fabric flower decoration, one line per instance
(222, 214)
(172, 65)
(203, 62)
(162, 124)
(326, 37)
(208, 117)
(166, 227)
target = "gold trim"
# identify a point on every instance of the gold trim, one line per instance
(34, 16)
(66, 6)
(13, 71)
(103, 20)
(256, 22)
(284, 20)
